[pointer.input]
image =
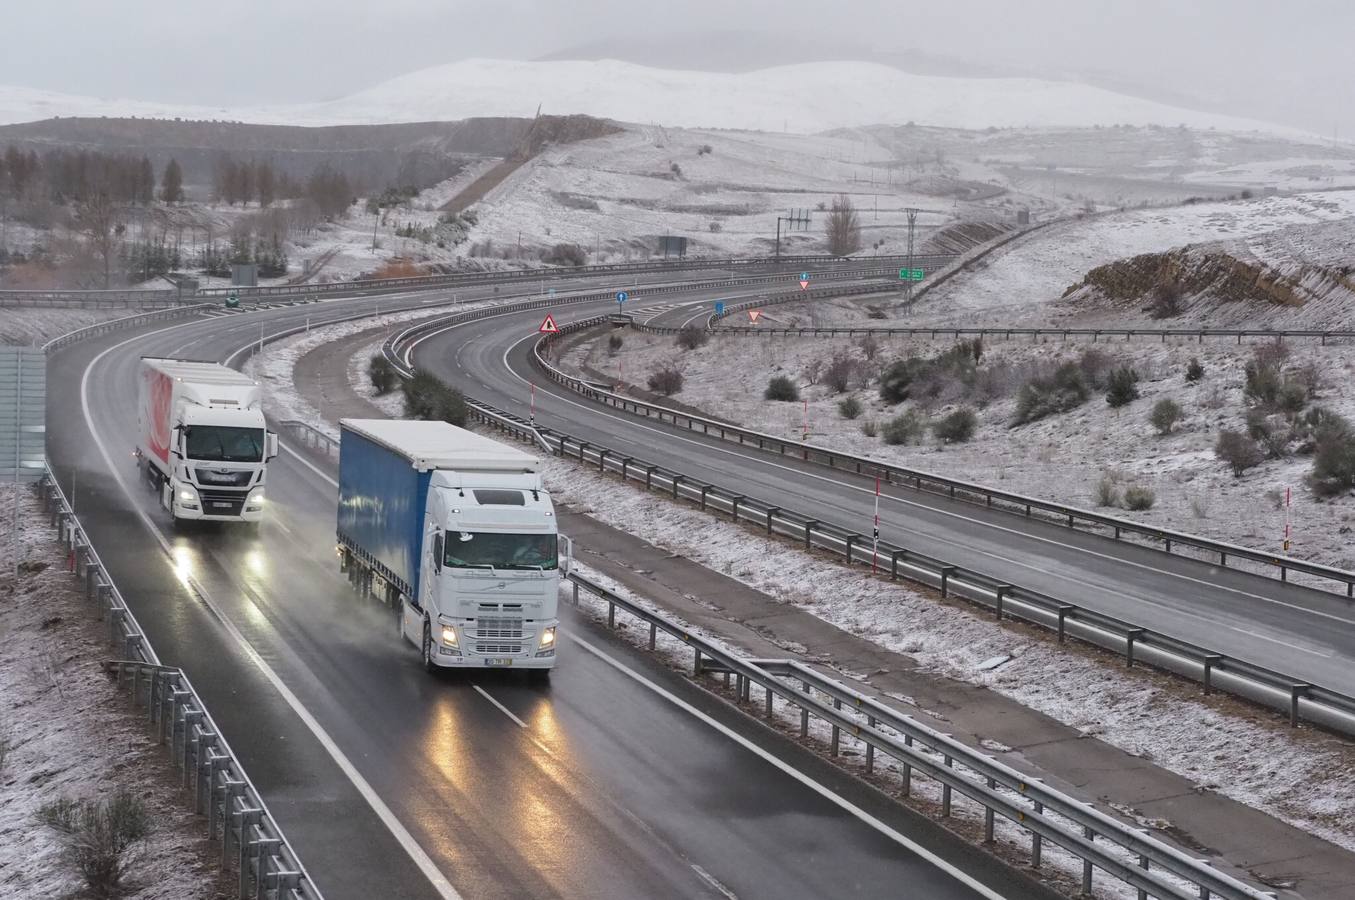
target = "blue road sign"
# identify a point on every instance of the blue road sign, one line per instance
(550, 293)
(622, 296)
(804, 276)
(719, 307)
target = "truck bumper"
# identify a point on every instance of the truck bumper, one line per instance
(195, 514)
(447, 661)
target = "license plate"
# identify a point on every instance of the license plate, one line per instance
(499, 661)
(222, 505)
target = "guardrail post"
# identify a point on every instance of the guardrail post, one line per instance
(1087, 866)
(771, 511)
(1295, 692)
(988, 816)
(1002, 591)
(1130, 637)
(677, 480)
(945, 791)
(734, 506)
(114, 620)
(576, 595)
(804, 712)
(1143, 864)
(696, 666)
(809, 529)
(625, 462)
(1210, 662)
(894, 563)
(946, 573)
(649, 477)
(837, 704)
(1036, 843)
(851, 540)
(583, 445)
(611, 614)
(653, 634)
(705, 489)
(1064, 610)
(769, 701)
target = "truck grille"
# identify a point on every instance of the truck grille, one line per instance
(223, 479)
(221, 503)
(498, 649)
(499, 629)
(498, 637)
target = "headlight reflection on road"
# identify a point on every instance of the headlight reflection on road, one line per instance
(183, 563)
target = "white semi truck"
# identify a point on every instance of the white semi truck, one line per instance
(204, 446)
(456, 530)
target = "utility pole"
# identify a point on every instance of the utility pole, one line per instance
(908, 285)
(796, 217)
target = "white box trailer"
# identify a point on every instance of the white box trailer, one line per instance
(204, 445)
(458, 531)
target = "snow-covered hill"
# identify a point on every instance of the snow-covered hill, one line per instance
(802, 98)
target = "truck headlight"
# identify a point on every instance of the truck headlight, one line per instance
(255, 500)
(548, 637)
(449, 635)
(188, 496)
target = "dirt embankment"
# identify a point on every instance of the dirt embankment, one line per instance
(1209, 280)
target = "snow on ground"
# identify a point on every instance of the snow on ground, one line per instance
(1017, 284)
(613, 195)
(393, 403)
(1211, 744)
(1059, 458)
(70, 732)
(805, 97)
(33, 326)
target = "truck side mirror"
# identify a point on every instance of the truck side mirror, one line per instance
(176, 442)
(437, 552)
(270, 445)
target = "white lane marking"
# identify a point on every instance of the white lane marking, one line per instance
(1266, 637)
(714, 882)
(823, 791)
(501, 708)
(406, 840)
(607, 411)
(307, 463)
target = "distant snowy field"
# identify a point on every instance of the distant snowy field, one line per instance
(803, 98)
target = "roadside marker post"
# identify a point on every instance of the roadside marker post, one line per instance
(875, 545)
(532, 415)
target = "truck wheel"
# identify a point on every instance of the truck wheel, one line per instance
(428, 664)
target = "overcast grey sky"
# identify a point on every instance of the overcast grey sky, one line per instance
(1286, 62)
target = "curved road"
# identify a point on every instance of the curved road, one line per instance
(393, 784)
(1303, 632)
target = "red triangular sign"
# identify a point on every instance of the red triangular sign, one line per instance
(753, 314)
(549, 326)
(804, 285)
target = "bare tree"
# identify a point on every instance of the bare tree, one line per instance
(844, 228)
(100, 222)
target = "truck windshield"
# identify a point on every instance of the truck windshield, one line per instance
(468, 549)
(224, 444)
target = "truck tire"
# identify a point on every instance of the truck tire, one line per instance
(428, 664)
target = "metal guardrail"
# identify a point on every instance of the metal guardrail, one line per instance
(993, 498)
(132, 321)
(1035, 334)
(93, 299)
(1132, 856)
(214, 780)
(510, 275)
(311, 438)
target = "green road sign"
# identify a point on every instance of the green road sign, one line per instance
(911, 274)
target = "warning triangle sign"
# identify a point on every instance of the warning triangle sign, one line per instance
(548, 326)
(754, 314)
